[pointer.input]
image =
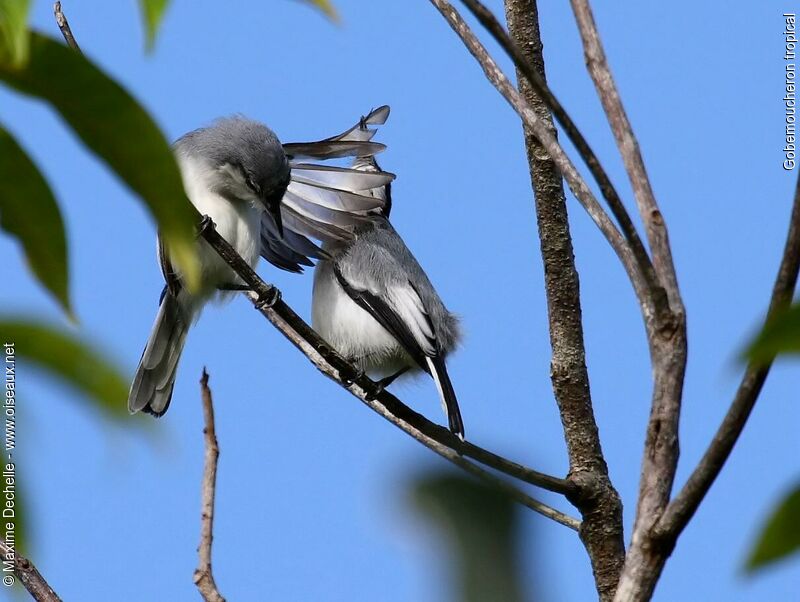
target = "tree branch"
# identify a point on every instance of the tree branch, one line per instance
(666, 326)
(682, 508)
(29, 576)
(600, 505)
(639, 582)
(63, 25)
(267, 300)
(629, 149)
(527, 64)
(576, 183)
(203, 574)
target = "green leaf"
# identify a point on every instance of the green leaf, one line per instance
(29, 212)
(152, 12)
(14, 30)
(481, 526)
(119, 131)
(780, 536)
(781, 334)
(326, 7)
(67, 357)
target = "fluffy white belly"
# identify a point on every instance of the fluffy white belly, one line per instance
(239, 224)
(350, 330)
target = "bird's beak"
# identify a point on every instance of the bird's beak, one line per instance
(274, 209)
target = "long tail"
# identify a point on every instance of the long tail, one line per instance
(447, 394)
(151, 390)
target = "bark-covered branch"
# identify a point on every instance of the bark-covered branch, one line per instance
(682, 508)
(29, 576)
(575, 181)
(665, 323)
(639, 584)
(63, 25)
(203, 574)
(527, 57)
(598, 501)
(267, 300)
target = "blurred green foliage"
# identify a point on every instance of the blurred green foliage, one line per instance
(29, 212)
(781, 334)
(481, 526)
(780, 536)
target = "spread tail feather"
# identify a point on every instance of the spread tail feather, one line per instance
(447, 394)
(152, 386)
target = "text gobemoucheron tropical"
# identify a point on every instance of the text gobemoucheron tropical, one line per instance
(790, 96)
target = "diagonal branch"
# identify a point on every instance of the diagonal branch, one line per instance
(28, 575)
(63, 25)
(267, 300)
(629, 149)
(682, 508)
(527, 71)
(203, 574)
(532, 121)
(599, 503)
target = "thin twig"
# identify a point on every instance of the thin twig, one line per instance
(682, 508)
(528, 71)
(203, 574)
(63, 25)
(598, 501)
(28, 575)
(576, 183)
(600, 72)
(267, 300)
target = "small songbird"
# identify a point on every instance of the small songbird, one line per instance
(263, 202)
(374, 304)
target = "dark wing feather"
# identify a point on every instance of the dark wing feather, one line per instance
(386, 317)
(289, 253)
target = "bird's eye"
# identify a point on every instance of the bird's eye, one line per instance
(250, 184)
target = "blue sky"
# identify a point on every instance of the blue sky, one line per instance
(313, 487)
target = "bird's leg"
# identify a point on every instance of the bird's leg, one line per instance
(388, 380)
(381, 384)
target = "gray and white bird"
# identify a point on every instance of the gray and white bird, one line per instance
(375, 305)
(263, 201)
